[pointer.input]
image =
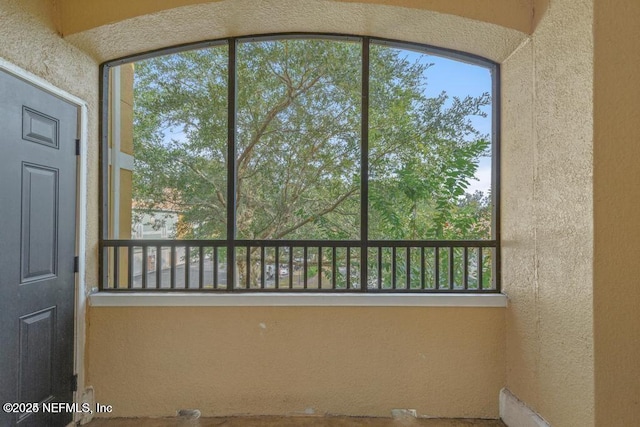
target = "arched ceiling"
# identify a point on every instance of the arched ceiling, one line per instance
(111, 29)
(521, 15)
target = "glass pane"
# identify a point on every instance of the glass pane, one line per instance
(298, 133)
(168, 146)
(429, 147)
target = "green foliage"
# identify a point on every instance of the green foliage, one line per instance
(298, 144)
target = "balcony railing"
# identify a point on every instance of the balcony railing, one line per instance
(299, 266)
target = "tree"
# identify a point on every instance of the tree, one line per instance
(298, 143)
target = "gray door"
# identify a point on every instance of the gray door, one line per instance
(37, 248)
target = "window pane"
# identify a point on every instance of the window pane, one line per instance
(169, 144)
(298, 139)
(429, 147)
(298, 168)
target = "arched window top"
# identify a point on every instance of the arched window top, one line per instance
(422, 48)
(375, 150)
(221, 19)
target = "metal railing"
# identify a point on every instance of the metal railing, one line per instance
(300, 266)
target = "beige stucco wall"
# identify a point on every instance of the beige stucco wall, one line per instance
(30, 41)
(76, 17)
(617, 212)
(560, 288)
(295, 360)
(247, 17)
(367, 360)
(518, 224)
(539, 10)
(547, 216)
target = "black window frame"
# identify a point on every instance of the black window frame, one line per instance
(231, 243)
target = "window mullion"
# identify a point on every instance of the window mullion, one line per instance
(495, 175)
(231, 164)
(364, 167)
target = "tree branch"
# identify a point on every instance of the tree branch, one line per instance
(292, 95)
(319, 214)
(202, 175)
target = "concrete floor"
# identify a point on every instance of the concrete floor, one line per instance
(269, 421)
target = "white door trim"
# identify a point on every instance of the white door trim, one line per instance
(81, 225)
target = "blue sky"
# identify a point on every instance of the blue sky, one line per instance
(461, 79)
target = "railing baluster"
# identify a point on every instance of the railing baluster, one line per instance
(277, 256)
(144, 267)
(320, 267)
(465, 267)
(116, 267)
(304, 261)
(334, 266)
(215, 267)
(408, 264)
(362, 272)
(379, 267)
(173, 267)
(393, 267)
(201, 267)
(263, 267)
(451, 269)
(422, 267)
(290, 267)
(248, 284)
(479, 268)
(130, 271)
(187, 266)
(348, 267)
(158, 267)
(436, 260)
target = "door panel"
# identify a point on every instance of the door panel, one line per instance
(37, 332)
(40, 128)
(39, 222)
(37, 249)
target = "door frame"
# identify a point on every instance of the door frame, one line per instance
(81, 291)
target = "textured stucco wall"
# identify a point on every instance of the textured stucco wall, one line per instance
(288, 360)
(617, 212)
(547, 216)
(518, 224)
(246, 17)
(539, 9)
(76, 17)
(549, 96)
(515, 14)
(30, 41)
(442, 362)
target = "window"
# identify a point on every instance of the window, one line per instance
(300, 163)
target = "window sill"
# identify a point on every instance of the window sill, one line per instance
(191, 299)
